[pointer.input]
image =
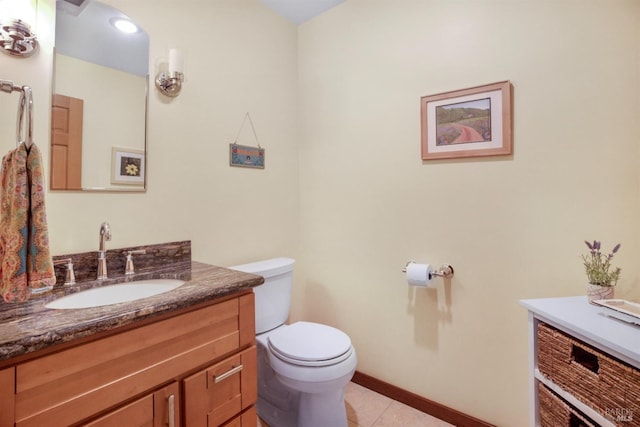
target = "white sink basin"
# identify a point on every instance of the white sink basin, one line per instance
(113, 294)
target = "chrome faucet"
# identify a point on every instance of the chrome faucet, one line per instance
(105, 235)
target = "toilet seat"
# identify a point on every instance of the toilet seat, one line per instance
(310, 344)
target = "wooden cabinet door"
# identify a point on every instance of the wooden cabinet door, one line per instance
(166, 406)
(7, 397)
(222, 391)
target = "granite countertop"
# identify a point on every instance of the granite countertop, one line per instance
(30, 326)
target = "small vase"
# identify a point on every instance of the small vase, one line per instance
(595, 292)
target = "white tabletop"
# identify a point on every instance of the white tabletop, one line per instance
(588, 323)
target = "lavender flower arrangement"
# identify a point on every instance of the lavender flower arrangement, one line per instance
(598, 266)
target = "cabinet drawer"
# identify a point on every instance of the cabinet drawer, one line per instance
(135, 414)
(248, 418)
(220, 392)
(602, 382)
(158, 409)
(555, 412)
(72, 385)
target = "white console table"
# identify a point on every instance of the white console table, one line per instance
(585, 322)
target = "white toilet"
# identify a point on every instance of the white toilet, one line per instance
(304, 367)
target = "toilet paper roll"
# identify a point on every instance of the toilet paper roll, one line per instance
(419, 274)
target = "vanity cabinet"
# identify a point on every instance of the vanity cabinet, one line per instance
(584, 366)
(150, 375)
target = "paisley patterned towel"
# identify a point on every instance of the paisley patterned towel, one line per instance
(25, 260)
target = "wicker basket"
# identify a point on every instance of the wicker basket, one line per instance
(555, 412)
(607, 385)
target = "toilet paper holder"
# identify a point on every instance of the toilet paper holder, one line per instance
(446, 270)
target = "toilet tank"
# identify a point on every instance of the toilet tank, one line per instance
(273, 297)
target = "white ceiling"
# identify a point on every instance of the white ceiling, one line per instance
(299, 11)
(86, 33)
(83, 24)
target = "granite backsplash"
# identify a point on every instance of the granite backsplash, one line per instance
(85, 264)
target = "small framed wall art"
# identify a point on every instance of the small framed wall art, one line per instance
(471, 122)
(127, 166)
(245, 156)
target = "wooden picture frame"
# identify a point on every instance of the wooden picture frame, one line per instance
(471, 122)
(127, 166)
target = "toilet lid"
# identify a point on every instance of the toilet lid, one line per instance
(310, 342)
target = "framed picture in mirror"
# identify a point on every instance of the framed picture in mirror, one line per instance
(127, 166)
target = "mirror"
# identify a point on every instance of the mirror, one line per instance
(99, 103)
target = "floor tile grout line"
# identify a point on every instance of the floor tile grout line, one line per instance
(382, 413)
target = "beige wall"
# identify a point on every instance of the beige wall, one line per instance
(240, 57)
(512, 227)
(348, 195)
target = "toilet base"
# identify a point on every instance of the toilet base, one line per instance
(277, 405)
(322, 409)
(313, 410)
(281, 403)
(275, 416)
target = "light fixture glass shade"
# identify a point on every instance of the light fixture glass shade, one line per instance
(170, 83)
(176, 63)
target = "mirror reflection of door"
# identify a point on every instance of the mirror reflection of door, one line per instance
(66, 143)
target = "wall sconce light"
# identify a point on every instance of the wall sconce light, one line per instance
(16, 38)
(170, 83)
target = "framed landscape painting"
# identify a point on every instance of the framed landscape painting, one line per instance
(469, 122)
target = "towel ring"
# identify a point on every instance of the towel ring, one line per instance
(24, 128)
(24, 125)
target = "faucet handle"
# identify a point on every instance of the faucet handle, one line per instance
(70, 277)
(129, 265)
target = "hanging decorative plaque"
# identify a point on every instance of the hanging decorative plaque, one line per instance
(243, 155)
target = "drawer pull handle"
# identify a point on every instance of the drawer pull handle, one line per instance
(172, 410)
(230, 372)
(585, 358)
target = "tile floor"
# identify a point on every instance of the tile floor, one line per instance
(366, 408)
